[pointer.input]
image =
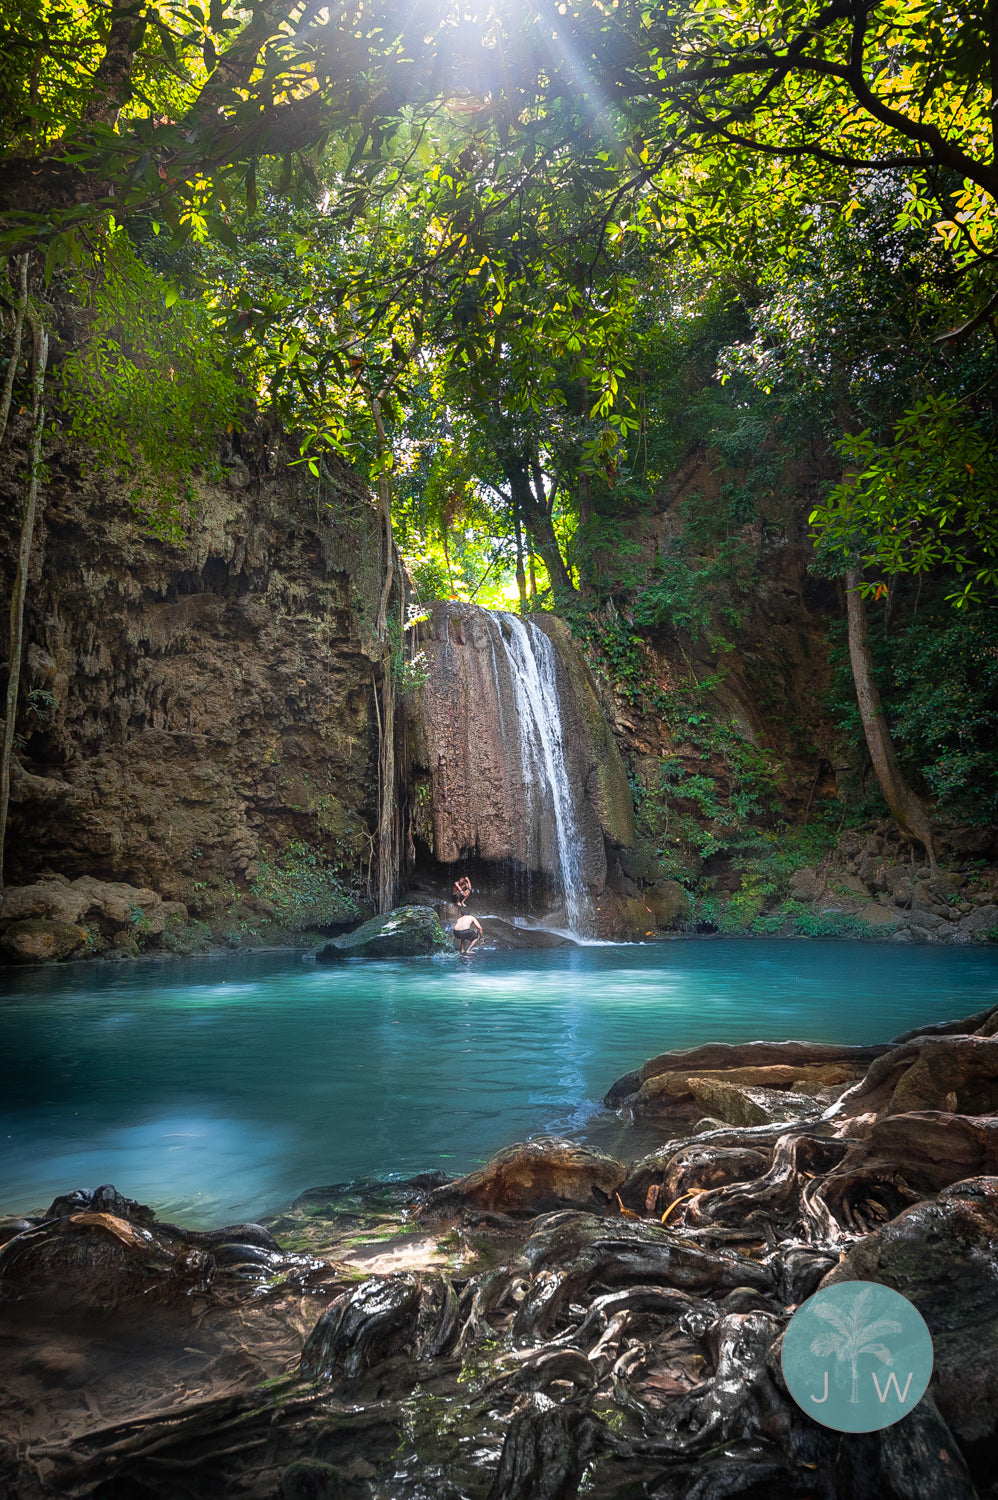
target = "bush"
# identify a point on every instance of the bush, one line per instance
(305, 889)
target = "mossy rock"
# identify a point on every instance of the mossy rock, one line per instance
(39, 940)
(406, 932)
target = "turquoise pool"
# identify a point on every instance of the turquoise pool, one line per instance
(217, 1089)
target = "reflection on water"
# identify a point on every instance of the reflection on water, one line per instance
(217, 1089)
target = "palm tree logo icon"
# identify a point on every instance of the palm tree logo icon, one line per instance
(851, 1335)
(857, 1356)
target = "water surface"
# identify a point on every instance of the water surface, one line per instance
(218, 1089)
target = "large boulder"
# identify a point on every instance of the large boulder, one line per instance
(721, 1100)
(110, 906)
(623, 918)
(668, 902)
(958, 1074)
(406, 932)
(981, 921)
(502, 934)
(713, 1079)
(535, 1177)
(41, 940)
(940, 1255)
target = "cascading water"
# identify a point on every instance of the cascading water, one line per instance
(533, 669)
(510, 764)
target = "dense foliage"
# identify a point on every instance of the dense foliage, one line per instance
(608, 301)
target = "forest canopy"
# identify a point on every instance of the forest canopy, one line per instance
(529, 267)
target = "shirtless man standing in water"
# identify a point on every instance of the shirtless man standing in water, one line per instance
(463, 928)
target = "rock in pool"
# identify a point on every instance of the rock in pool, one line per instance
(403, 933)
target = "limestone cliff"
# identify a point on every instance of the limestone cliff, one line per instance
(473, 793)
(191, 707)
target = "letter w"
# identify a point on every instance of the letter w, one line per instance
(892, 1379)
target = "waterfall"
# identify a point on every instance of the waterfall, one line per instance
(533, 669)
(510, 761)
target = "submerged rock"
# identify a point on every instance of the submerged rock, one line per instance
(406, 932)
(537, 1175)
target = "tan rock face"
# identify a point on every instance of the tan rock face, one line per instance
(952, 1073)
(718, 1079)
(542, 1174)
(725, 1101)
(112, 907)
(464, 736)
(205, 702)
(41, 940)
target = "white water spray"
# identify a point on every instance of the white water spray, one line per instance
(533, 670)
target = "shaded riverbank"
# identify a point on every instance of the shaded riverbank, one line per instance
(557, 1316)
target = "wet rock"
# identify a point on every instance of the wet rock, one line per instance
(669, 903)
(536, 1176)
(41, 940)
(502, 934)
(810, 1069)
(311, 1479)
(724, 1101)
(406, 932)
(940, 1255)
(623, 918)
(922, 1075)
(464, 739)
(104, 1200)
(91, 1260)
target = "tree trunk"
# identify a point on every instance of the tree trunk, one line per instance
(582, 537)
(15, 352)
(538, 524)
(910, 812)
(41, 354)
(521, 577)
(388, 826)
(388, 840)
(385, 517)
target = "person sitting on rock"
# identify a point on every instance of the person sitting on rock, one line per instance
(463, 929)
(462, 890)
